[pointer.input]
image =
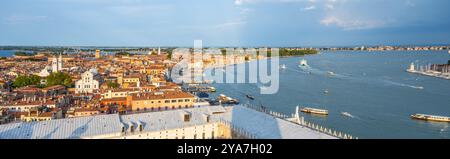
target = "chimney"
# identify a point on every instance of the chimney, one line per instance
(131, 127)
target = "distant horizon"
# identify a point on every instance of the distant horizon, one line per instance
(323, 46)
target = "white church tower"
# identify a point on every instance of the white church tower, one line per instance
(60, 62)
(411, 67)
(57, 64)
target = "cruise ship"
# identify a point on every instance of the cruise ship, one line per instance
(314, 111)
(430, 117)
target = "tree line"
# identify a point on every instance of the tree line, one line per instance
(58, 78)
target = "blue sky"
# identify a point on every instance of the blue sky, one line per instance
(240, 23)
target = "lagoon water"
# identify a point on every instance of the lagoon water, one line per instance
(372, 86)
(6, 53)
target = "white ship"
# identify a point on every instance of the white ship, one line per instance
(427, 117)
(347, 114)
(314, 111)
(331, 73)
(283, 67)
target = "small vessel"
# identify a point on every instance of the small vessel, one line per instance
(331, 73)
(314, 111)
(250, 97)
(418, 87)
(448, 51)
(326, 91)
(227, 100)
(283, 67)
(303, 63)
(347, 114)
(427, 117)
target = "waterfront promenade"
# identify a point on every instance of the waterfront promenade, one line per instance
(431, 73)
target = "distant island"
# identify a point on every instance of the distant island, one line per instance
(21, 53)
(287, 52)
(297, 52)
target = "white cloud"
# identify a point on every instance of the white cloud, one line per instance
(336, 12)
(312, 7)
(230, 24)
(24, 19)
(352, 24)
(238, 2)
(241, 2)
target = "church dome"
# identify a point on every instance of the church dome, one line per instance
(93, 71)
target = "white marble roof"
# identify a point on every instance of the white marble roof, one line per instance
(265, 126)
(71, 128)
(259, 124)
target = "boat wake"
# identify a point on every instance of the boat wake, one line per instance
(404, 85)
(347, 114)
(330, 74)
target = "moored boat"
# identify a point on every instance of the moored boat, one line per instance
(226, 100)
(250, 97)
(314, 111)
(427, 117)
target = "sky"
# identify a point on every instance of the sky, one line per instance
(237, 23)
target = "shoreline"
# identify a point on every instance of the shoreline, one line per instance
(431, 74)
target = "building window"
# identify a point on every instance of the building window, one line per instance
(187, 118)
